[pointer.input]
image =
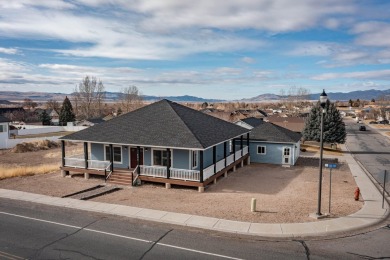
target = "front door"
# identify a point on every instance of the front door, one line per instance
(133, 157)
(286, 155)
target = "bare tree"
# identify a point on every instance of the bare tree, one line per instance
(384, 103)
(130, 99)
(89, 97)
(53, 104)
(29, 103)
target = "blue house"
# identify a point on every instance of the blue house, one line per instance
(163, 142)
(269, 143)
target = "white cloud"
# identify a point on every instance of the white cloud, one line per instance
(372, 34)
(275, 16)
(372, 75)
(9, 50)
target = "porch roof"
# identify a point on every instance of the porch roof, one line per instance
(273, 133)
(162, 124)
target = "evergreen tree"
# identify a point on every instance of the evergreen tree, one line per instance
(45, 118)
(334, 127)
(66, 113)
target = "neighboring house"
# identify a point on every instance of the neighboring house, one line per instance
(270, 143)
(163, 142)
(55, 118)
(295, 124)
(4, 130)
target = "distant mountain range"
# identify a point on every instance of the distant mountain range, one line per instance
(110, 96)
(114, 96)
(361, 94)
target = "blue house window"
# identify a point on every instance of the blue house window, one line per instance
(261, 150)
(160, 157)
(2, 128)
(194, 159)
(117, 153)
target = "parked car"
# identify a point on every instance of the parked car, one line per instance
(362, 128)
(384, 122)
(373, 123)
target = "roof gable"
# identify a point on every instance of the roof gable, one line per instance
(164, 124)
(253, 121)
(273, 133)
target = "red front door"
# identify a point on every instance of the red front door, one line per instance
(133, 157)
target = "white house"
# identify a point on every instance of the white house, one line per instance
(4, 130)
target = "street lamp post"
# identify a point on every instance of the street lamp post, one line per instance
(323, 99)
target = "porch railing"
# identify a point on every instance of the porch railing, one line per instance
(229, 159)
(220, 165)
(183, 174)
(161, 171)
(98, 165)
(238, 154)
(245, 150)
(74, 162)
(154, 171)
(208, 172)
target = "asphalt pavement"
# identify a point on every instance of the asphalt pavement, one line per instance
(37, 231)
(370, 148)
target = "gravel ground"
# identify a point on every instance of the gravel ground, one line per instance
(284, 195)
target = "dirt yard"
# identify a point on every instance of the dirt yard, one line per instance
(283, 194)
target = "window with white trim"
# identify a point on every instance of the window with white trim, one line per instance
(194, 159)
(261, 149)
(117, 153)
(2, 128)
(160, 157)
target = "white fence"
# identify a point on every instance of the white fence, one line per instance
(33, 129)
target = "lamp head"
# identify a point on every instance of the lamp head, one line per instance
(323, 98)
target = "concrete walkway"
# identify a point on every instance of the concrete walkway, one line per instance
(371, 213)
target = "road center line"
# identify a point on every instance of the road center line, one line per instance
(120, 236)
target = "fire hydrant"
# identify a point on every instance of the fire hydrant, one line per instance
(357, 193)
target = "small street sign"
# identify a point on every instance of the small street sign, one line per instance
(330, 165)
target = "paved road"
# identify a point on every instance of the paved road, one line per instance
(36, 231)
(370, 148)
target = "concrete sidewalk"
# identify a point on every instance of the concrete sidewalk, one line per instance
(371, 213)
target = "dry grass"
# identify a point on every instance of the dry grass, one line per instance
(327, 151)
(63, 133)
(7, 172)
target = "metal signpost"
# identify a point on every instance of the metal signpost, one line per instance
(330, 166)
(384, 189)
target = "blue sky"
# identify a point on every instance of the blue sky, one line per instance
(221, 49)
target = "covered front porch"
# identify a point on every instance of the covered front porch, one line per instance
(196, 168)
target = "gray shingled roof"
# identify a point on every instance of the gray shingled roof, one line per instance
(253, 121)
(164, 124)
(3, 119)
(269, 132)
